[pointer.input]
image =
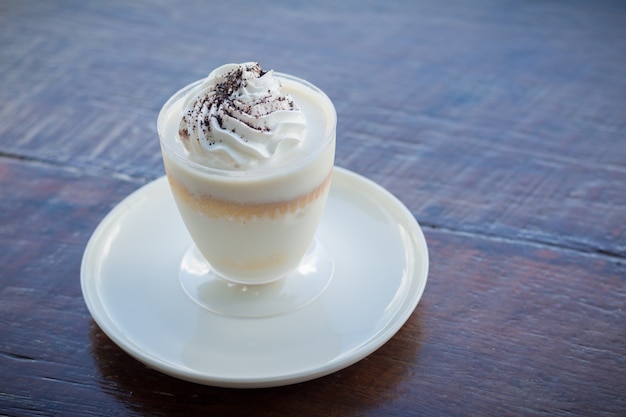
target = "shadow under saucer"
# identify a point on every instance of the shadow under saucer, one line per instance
(376, 380)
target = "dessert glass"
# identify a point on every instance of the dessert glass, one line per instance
(254, 250)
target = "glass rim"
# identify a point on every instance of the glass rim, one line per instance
(257, 172)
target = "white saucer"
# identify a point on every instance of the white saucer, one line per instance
(130, 285)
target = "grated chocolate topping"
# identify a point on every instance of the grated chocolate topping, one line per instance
(225, 99)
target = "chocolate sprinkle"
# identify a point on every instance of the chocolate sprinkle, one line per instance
(224, 100)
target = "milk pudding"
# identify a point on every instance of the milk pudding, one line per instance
(249, 156)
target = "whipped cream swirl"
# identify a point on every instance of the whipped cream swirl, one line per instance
(239, 118)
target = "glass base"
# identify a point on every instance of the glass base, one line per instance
(287, 294)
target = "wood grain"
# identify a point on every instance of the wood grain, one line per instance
(486, 337)
(511, 340)
(501, 126)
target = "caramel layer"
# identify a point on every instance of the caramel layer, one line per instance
(215, 208)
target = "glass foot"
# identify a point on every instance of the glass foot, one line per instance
(294, 291)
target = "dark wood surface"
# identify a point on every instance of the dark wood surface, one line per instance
(500, 124)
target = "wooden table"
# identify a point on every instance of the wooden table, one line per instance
(500, 125)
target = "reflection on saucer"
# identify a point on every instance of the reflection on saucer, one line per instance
(281, 355)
